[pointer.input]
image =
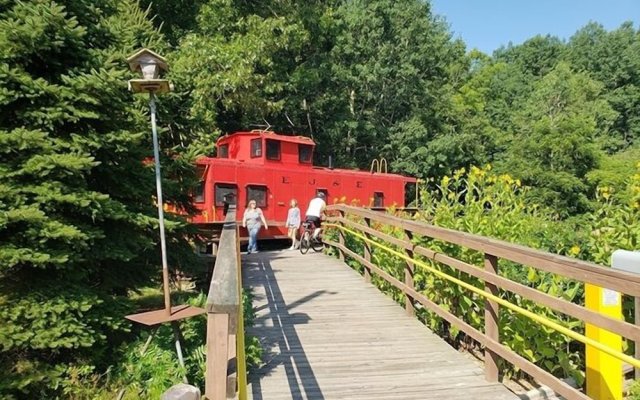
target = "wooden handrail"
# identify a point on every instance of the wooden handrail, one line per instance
(493, 250)
(583, 271)
(224, 316)
(620, 327)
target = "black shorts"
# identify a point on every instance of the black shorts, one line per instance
(316, 220)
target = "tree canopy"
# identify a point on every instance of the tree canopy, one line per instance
(364, 79)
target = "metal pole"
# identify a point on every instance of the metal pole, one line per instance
(177, 335)
(163, 244)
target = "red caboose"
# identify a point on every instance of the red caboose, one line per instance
(272, 169)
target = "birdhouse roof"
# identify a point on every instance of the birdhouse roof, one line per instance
(146, 55)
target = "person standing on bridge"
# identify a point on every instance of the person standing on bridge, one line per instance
(315, 211)
(251, 220)
(293, 223)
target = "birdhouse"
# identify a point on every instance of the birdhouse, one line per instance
(151, 65)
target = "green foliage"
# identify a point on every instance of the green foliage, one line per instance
(615, 224)
(634, 391)
(77, 225)
(555, 146)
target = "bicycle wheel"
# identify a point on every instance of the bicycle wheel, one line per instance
(317, 244)
(305, 242)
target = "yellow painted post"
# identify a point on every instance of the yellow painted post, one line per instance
(241, 358)
(604, 372)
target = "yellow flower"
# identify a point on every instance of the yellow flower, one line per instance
(445, 180)
(574, 250)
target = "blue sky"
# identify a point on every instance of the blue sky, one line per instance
(488, 24)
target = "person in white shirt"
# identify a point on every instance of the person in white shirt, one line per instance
(315, 211)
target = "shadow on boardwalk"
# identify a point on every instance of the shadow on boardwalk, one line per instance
(279, 338)
(329, 335)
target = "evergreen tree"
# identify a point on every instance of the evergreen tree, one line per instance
(77, 219)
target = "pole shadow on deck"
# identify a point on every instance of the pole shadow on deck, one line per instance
(282, 336)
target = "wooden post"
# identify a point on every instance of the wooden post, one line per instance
(491, 321)
(341, 238)
(217, 351)
(408, 277)
(232, 362)
(367, 253)
(636, 312)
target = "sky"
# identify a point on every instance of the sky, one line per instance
(489, 24)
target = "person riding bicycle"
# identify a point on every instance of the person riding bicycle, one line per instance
(315, 211)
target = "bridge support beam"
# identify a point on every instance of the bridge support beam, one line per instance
(491, 321)
(408, 277)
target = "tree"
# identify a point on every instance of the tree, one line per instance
(536, 56)
(556, 142)
(233, 68)
(391, 70)
(77, 225)
(613, 58)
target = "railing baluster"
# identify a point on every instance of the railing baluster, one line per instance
(491, 321)
(367, 252)
(341, 239)
(408, 277)
(232, 378)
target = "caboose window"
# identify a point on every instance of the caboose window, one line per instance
(199, 194)
(257, 193)
(223, 151)
(256, 148)
(273, 149)
(225, 192)
(378, 199)
(304, 153)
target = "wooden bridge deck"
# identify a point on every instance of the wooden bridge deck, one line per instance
(329, 335)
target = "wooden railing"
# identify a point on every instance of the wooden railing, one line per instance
(226, 364)
(359, 222)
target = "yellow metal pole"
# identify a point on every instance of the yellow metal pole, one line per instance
(240, 355)
(604, 372)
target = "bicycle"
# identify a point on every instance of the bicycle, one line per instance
(306, 239)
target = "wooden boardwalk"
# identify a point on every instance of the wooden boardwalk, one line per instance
(329, 335)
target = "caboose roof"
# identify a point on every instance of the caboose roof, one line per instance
(267, 135)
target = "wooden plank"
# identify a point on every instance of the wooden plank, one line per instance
(367, 252)
(502, 351)
(341, 239)
(232, 367)
(409, 270)
(621, 281)
(327, 334)
(217, 361)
